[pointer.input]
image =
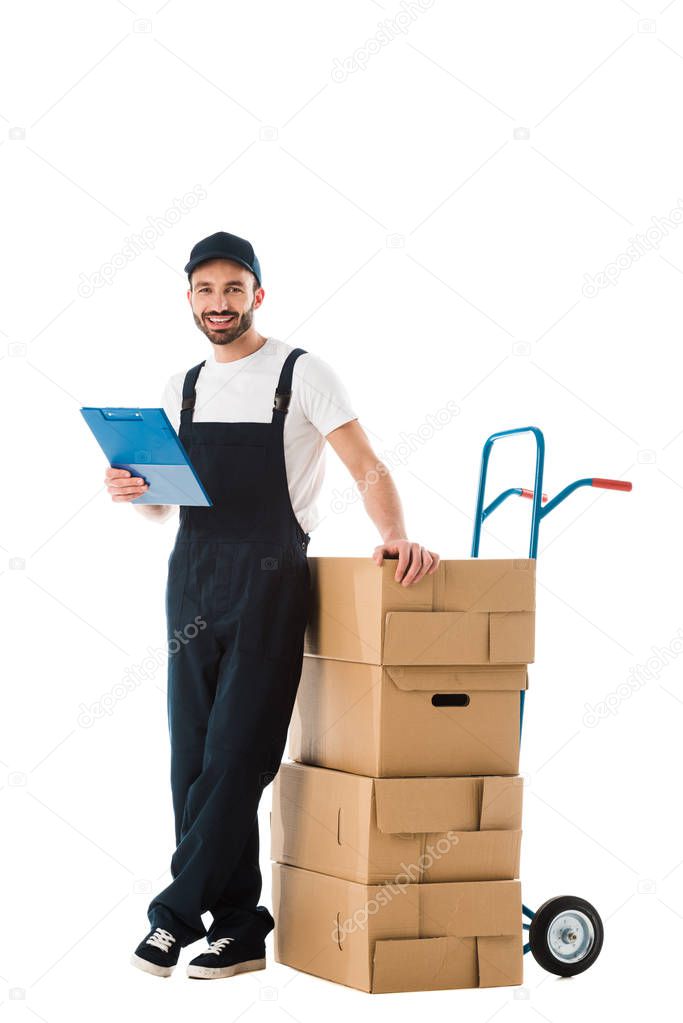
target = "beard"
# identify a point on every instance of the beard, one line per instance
(228, 333)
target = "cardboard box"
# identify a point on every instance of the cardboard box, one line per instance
(377, 830)
(415, 937)
(407, 721)
(480, 611)
(415, 680)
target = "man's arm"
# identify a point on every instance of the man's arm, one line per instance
(382, 503)
(158, 512)
(372, 478)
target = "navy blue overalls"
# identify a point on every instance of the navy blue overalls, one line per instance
(237, 603)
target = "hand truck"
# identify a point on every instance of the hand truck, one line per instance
(566, 932)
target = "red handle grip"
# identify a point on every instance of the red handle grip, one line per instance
(530, 494)
(612, 484)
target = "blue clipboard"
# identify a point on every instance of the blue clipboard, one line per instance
(143, 441)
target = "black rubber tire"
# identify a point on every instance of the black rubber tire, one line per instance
(538, 935)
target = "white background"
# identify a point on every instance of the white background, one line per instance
(431, 225)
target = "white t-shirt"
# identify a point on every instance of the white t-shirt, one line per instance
(242, 391)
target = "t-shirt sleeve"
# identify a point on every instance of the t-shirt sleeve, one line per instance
(322, 395)
(170, 402)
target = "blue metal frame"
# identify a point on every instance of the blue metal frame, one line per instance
(538, 512)
(525, 927)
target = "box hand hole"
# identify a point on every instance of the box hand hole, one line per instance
(450, 700)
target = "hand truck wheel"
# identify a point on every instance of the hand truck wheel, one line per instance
(566, 935)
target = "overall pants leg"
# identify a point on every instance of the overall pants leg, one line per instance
(237, 603)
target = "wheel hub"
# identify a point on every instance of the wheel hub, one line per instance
(570, 936)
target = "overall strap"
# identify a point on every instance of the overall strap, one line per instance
(189, 395)
(283, 391)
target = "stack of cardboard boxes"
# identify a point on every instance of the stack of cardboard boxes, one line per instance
(396, 830)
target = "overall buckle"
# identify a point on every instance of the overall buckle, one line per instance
(281, 402)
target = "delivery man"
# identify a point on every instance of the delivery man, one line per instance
(253, 418)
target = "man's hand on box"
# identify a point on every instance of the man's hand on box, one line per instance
(414, 561)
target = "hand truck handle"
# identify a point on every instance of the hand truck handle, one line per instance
(611, 484)
(588, 481)
(538, 512)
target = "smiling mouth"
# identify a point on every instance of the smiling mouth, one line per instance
(219, 321)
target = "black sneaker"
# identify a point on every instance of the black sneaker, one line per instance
(227, 956)
(157, 953)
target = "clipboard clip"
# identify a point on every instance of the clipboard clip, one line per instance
(121, 414)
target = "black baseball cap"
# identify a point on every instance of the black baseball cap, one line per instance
(222, 245)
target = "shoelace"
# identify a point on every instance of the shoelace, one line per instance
(161, 938)
(218, 945)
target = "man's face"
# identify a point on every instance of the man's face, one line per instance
(222, 300)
